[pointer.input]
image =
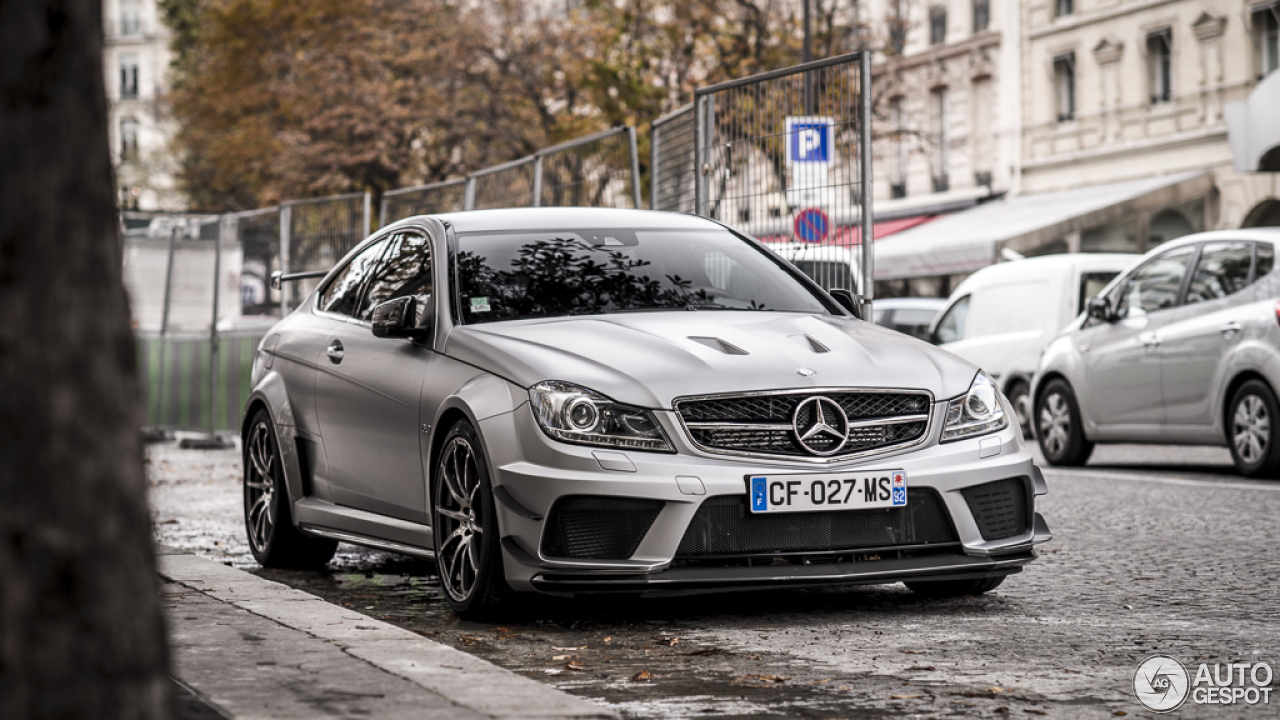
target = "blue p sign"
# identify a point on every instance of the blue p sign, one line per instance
(809, 142)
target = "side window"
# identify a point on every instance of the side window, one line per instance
(1092, 283)
(1266, 260)
(343, 293)
(405, 270)
(951, 327)
(1222, 270)
(1154, 286)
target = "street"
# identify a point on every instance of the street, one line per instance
(1156, 550)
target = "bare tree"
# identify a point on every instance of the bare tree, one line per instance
(81, 634)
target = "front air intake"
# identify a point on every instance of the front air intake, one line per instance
(588, 527)
(999, 508)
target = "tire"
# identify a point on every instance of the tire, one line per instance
(273, 539)
(1058, 427)
(1253, 421)
(1020, 398)
(953, 588)
(464, 522)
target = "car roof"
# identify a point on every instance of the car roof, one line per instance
(570, 218)
(1032, 267)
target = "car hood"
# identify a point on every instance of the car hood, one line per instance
(649, 359)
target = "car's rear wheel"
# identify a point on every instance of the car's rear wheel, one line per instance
(954, 588)
(1058, 426)
(273, 539)
(1253, 420)
(1020, 398)
(465, 524)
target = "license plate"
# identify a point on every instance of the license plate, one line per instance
(836, 491)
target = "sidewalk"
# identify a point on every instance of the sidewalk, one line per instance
(250, 648)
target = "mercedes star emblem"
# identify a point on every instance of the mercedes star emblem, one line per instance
(821, 427)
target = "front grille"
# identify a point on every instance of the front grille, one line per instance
(724, 526)
(599, 528)
(763, 424)
(999, 508)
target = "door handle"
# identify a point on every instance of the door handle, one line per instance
(335, 352)
(1231, 327)
(1151, 342)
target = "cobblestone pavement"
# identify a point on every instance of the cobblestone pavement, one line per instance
(1155, 550)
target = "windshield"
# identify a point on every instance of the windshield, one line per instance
(519, 275)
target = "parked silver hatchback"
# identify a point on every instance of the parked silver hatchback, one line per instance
(1181, 349)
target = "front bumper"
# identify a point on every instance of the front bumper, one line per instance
(531, 472)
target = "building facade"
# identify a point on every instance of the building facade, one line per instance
(136, 62)
(948, 109)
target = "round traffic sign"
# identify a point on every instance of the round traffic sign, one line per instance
(812, 225)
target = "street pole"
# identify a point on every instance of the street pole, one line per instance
(868, 223)
(808, 56)
(158, 433)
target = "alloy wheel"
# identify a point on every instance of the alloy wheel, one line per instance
(260, 487)
(1055, 423)
(1251, 429)
(458, 516)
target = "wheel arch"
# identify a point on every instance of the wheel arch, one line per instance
(481, 397)
(1240, 379)
(271, 395)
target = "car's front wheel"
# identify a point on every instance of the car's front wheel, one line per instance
(273, 539)
(1058, 426)
(465, 524)
(1252, 423)
(953, 588)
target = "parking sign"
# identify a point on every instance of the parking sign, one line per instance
(809, 139)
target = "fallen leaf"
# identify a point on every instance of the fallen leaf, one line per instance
(608, 639)
(568, 649)
(642, 676)
(669, 642)
(760, 679)
(996, 690)
(575, 665)
(704, 652)
(821, 682)
(553, 671)
(1034, 711)
(1120, 712)
(905, 697)
(914, 652)
(562, 657)
(843, 687)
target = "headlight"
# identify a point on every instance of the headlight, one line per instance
(977, 412)
(574, 414)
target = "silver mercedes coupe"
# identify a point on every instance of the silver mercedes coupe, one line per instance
(573, 401)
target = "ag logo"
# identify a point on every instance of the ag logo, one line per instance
(1161, 683)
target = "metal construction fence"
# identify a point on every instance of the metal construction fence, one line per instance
(600, 170)
(784, 156)
(671, 156)
(315, 234)
(187, 386)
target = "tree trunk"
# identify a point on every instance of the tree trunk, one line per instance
(81, 634)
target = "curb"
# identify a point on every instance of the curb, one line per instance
(461, 679)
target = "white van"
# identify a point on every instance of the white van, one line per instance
(831, 266)
(1001, 316)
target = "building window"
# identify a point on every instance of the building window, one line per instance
(129, 75)
(1063, 7)
(898, 160)
(1064, 82)
(130, 17)
(1160, 65)
(898, 27)
(937, 25)
(941, 182)
(1266, 29)
(128, 139)
(981, 15)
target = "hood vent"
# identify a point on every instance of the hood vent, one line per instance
(812, 344)
(720, 345)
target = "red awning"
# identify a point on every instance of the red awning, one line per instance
(846, 235)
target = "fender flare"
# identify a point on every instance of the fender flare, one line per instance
(480, 398)
(271, 394)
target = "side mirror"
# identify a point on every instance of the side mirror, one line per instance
(847, 301)
(397, 318)
(1099, 309)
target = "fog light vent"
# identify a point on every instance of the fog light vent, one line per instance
(598, 528)
(999, 508)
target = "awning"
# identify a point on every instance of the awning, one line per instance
(846, 235)
(968, 240)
